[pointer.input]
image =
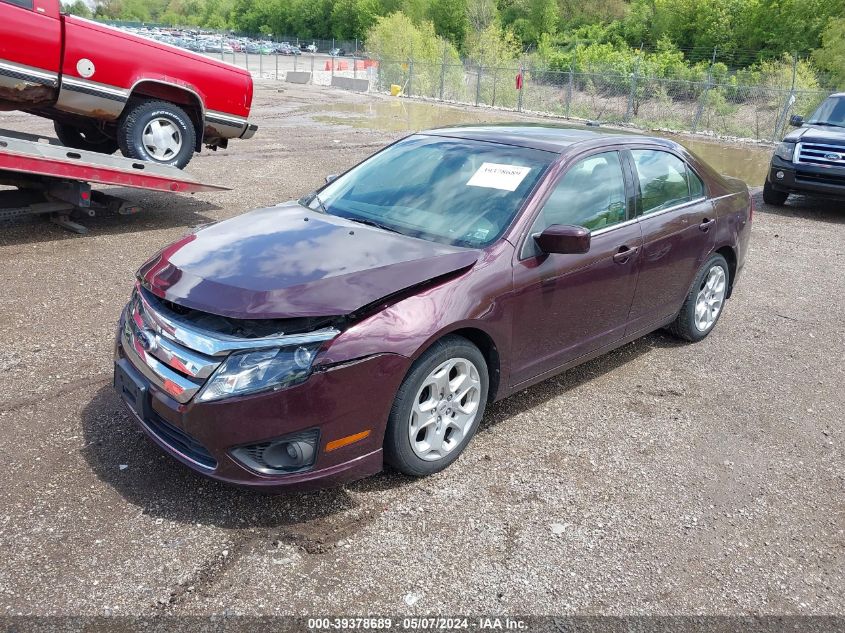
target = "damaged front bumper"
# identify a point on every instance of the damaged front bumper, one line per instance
(341, 410)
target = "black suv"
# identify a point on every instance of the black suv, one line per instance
(811, 159)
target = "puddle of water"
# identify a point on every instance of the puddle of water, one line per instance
(399, 115)
(747, 162)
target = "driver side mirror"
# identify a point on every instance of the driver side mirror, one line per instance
(796, 120)
(331, 177)
(564, 240)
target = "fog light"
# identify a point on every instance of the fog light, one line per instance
(779, 175)
(288, 454)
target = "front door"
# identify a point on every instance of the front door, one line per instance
(30, 52)
(679, 228)
(565, 306)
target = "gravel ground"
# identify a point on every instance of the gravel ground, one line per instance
(659, 479)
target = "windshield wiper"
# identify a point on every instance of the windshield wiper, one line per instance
(828, 123)
(378, 225)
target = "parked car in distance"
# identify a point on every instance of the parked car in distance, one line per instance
(811, 159)
(373, 320)
(337, 52)
(107, 89)
(286, 49)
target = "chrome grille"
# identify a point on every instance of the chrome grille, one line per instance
(821, 154)
(152, 348)
(178, 357)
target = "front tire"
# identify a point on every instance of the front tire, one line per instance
(772, 196)
(705, 301)
(159, 132)
(88, 139)
(437, 408)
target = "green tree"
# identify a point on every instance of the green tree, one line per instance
(351, 19)
(78, 7)
(544, 16)
(396, 37)
(830, 56)
(416, 10)
(481, 14)
(493, 47)
(413, 57)
(450, 19)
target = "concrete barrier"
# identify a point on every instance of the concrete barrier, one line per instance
(350, 83)
(298, 77)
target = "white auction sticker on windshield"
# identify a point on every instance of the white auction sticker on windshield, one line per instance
(496, 176)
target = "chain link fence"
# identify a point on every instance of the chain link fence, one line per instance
(725, 108)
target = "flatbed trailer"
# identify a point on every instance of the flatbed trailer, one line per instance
(54, 180)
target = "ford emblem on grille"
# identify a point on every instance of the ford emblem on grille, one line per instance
(832, 156)
(146, 339)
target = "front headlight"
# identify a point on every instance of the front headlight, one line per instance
(263, 370)
(785, 151)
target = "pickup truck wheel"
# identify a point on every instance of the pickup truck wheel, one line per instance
(773, 197)
(437, 408)
(88, 139)
(158, 132)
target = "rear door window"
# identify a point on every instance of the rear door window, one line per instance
(24, 4)
(665, 180)
(696, 187)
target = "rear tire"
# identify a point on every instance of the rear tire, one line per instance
(158, 132)
(88, 138)
(705, 302)
(772, 196)
(437, 408)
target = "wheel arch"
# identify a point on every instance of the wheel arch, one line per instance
(729, 254)
(183, 96)
(483, 341)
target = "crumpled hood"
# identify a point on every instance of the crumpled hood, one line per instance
(287, 261)
(817, 134)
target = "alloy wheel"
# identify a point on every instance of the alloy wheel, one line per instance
(710, 299)
(445, 409)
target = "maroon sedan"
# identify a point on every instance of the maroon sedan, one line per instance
(373, 321)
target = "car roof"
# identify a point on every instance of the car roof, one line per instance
(542, 136)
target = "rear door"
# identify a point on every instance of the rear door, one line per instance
(30, 51)
(678, 225)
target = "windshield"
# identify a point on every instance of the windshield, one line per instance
(447, 190)
(830, 112)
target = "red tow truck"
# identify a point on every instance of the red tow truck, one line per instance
(47, 178)
(106, 89)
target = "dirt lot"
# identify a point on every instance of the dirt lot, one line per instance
(660, 479)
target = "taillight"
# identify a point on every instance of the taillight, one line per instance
(751, 209)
